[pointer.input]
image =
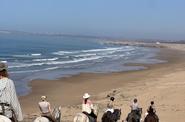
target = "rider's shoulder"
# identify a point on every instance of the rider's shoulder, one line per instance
(6, 81)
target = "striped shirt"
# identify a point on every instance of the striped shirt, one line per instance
(8, 95)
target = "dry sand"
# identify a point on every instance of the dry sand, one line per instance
(163, 83)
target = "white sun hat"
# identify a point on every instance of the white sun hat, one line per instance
(86, 95)
(43, 97)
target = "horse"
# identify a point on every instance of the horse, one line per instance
(111, 117)
(6, 108)
(81, 117)
(151, 118)
(4, 119)
(56, 114)
(134, 115)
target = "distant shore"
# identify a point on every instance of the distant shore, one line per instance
(162, 83)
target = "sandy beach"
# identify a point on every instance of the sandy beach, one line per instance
(164, 83)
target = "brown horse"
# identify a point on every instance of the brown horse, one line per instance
(151, 118)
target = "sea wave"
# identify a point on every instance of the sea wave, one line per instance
(28, 71)
(62, 52)
(94, 51)
(49, 59)
(55, 62)
(36, 54)
(27, 55)
(86, 55)
(4, 61)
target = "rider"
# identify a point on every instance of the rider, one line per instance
(9, 104)
(151, 110)
(134, 106)
(46, 109)
(87, 107)
(152, 107)
(134, 109)
(109, 115)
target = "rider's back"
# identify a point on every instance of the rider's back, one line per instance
(44, 105)
(8, 96)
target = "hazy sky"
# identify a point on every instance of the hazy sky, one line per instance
(160, 19)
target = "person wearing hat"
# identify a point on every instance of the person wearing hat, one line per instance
(87, 107)
(45, 109)
(8, 96)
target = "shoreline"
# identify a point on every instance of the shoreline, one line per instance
(97, 84)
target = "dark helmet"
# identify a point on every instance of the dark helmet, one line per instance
(112, 98)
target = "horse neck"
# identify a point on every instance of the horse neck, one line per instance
(56, 113)
(96, 110)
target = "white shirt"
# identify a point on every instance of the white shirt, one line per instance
(134, 106)
(8, 95)
(44, 106)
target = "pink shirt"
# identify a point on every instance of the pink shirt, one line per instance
(87, 107)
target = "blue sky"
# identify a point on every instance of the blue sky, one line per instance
(137, 19)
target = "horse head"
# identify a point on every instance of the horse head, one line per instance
(96, 109)
(4, 119)
(117, 113)
(41, 119)
(57, 113)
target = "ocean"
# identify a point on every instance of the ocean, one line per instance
(31, 56)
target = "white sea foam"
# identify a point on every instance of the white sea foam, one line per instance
(36, 54)
(28, 71)
(27, 55)
(86, 55)
(54, 62)
(4, 61)
(94, 51)
(49, 59)
(62, 52)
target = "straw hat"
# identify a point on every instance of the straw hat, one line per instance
(86, 95)
(3, 66)
(43, 97)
